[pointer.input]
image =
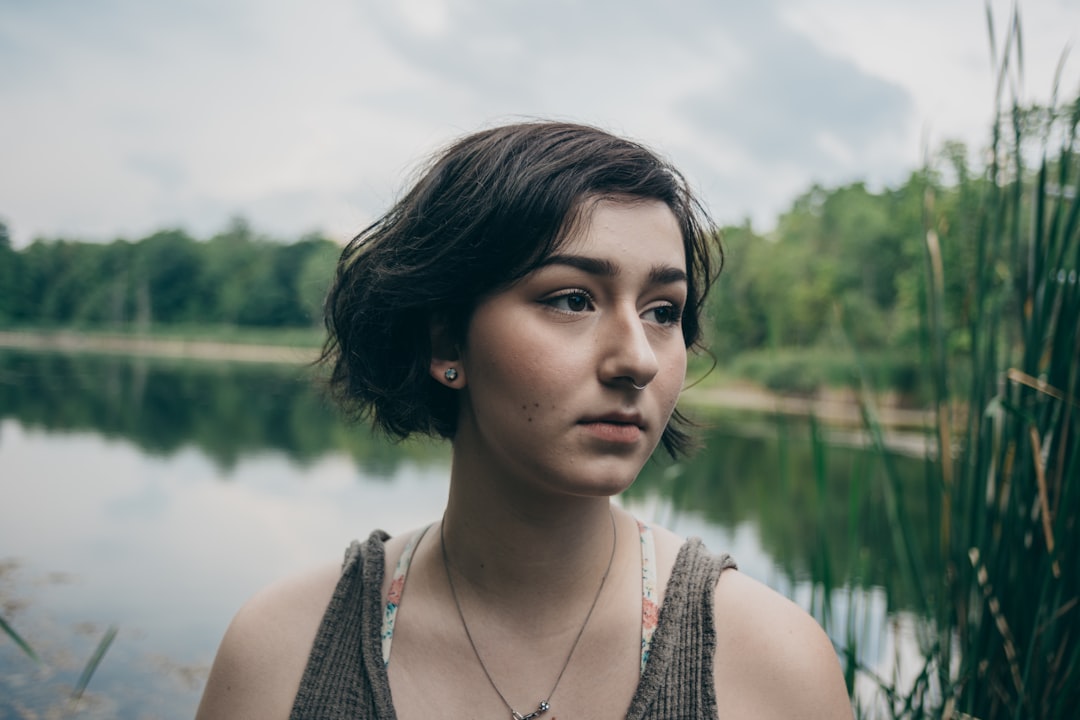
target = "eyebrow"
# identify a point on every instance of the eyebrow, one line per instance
(658, 274)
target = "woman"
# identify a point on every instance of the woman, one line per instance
(532, 299)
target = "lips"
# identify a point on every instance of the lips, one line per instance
(615, 427)
(618, 417)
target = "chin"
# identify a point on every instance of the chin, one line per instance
(604, 483)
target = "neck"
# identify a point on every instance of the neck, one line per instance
(528, 550)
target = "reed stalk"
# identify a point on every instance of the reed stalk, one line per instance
(999, 633)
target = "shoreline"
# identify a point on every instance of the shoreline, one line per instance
(835, 408)
(66, 341)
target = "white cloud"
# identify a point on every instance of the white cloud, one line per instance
(123, 117)
(940, 52)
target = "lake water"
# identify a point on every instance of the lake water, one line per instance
(156, 496)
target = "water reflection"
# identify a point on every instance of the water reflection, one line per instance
(818, 508)
(226, 410)
(167, 493)
(167, 548)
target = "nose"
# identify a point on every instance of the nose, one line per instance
(628, 354)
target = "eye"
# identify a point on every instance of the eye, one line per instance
(571, 301)
(663, 314)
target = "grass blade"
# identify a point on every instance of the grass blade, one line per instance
(92, 663)
(18, 640)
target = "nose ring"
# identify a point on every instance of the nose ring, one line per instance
(636, 386)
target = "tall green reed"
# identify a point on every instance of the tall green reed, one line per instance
(999, 632)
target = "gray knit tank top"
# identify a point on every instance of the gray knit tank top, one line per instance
(345, 678)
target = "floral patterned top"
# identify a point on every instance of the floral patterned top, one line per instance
(650, 609)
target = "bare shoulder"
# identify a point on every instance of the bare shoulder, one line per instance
(772, 658)
(262, 657)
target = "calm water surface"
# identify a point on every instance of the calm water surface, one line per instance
(156, 497)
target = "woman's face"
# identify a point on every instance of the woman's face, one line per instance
(549, 364)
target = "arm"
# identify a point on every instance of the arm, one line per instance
(262, 657)
(772, 659)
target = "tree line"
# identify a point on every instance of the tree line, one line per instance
(864, 254)
(843, 272)
(846, 272)
(169, 277)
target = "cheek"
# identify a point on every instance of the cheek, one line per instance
(502, 364)
(521, 371)
(510, 393)
(673, 375)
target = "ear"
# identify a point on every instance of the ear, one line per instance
(446, 367)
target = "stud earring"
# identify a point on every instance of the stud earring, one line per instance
(450, 374)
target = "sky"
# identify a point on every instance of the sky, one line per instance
(119, 118)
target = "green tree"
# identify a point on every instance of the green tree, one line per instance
(10, 262)
(166, 266)
(314, 277)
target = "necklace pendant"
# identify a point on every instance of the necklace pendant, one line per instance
(540, 710)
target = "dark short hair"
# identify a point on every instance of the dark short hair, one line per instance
(485, 212)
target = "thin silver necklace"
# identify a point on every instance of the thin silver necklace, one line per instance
(545, 704)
